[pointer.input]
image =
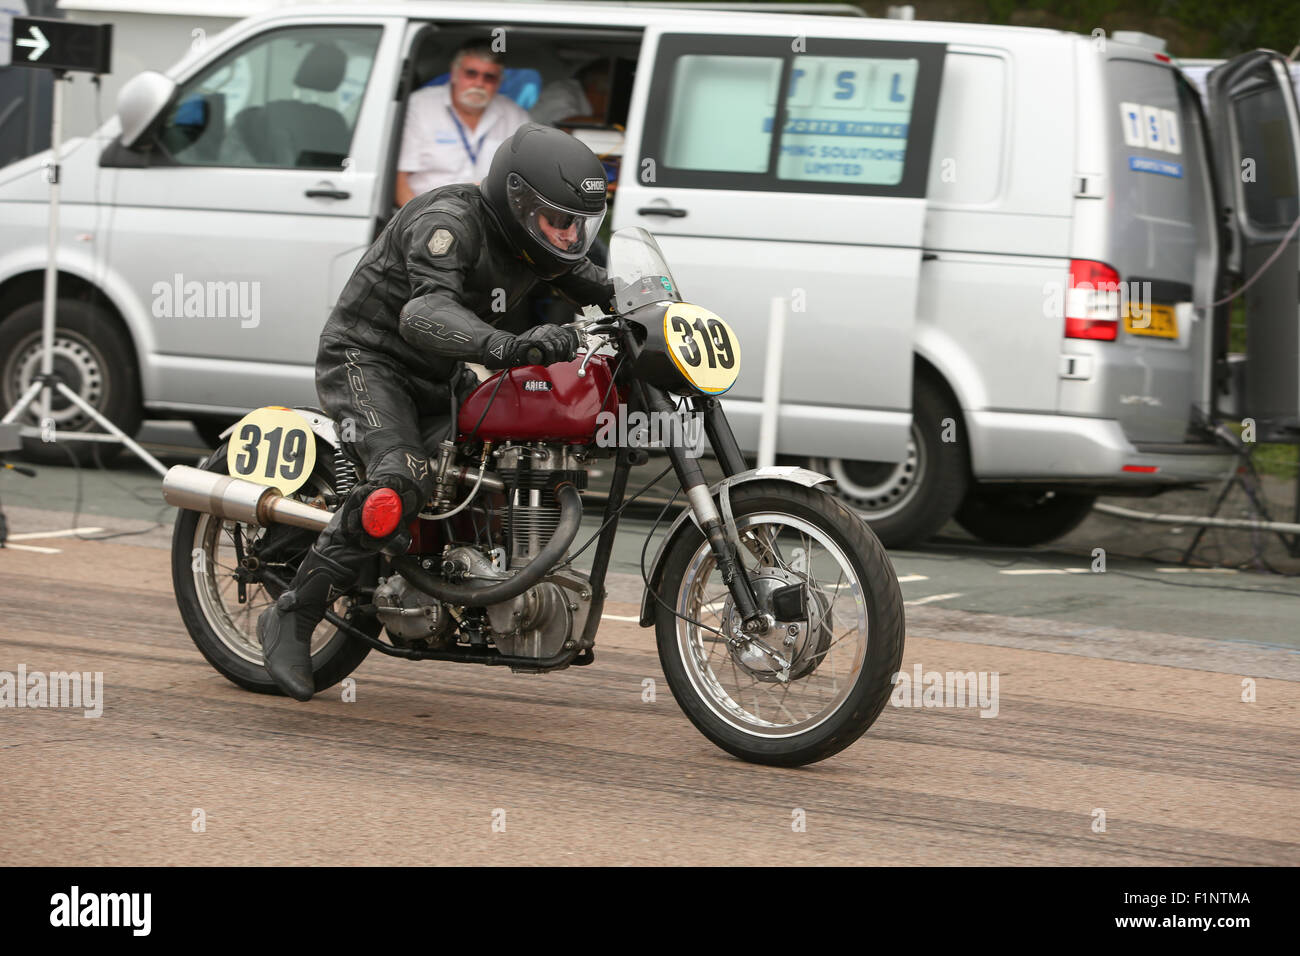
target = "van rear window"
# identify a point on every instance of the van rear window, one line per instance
(1158, 173)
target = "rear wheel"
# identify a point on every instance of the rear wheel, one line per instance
(1022, 518)
(909, 501)
(92, 356)
(221, 573)
(822, 672)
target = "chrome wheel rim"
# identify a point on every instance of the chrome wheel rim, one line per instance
(888, 494)
(821, 673)
(216, 585)
(80, 365)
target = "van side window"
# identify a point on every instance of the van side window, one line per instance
(286, 99)
(848, 119)
(721, 115)
(857, 115)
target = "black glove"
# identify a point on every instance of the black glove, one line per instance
(543, 345)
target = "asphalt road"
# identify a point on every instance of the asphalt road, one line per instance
(1120, 736)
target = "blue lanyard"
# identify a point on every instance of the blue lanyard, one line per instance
(464, 140)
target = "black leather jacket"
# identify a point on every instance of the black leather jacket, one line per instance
(430, 289)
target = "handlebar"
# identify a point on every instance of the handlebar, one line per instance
(533, 356)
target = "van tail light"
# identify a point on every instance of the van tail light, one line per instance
(1092, 301)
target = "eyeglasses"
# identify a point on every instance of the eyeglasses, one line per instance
(472, 74)
(560, 220)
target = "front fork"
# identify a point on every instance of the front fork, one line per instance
(690, 475)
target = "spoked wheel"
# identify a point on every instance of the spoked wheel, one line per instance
(821, 672)
(227, 573)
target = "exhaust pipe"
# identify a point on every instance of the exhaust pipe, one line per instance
(238, 500)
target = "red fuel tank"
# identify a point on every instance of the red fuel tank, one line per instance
(541, 403)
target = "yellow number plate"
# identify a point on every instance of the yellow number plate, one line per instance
(705, 349)
(1158, 320)
(272, 446)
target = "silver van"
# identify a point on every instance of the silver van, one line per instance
(997, 248)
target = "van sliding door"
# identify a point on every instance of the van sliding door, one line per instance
(816, 197)
(1257, 158)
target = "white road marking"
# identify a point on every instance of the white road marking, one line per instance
(909, 578)
(66, 533)
(31, 547)
(931, 598)
(1196, 570)
(1047, 571)
(620, 617)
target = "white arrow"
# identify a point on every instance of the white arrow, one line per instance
(38, 43)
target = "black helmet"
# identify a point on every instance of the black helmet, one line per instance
(543, 180)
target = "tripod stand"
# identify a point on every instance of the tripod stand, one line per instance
(48, 381)
(1245, 477)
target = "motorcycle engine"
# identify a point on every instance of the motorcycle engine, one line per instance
(410, 614)
(544, 620)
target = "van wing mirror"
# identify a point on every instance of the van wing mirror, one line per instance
(140, 101)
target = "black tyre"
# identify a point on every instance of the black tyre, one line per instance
(92, 355)
(909, 501)
(806, 705)
(206, 552)
(1022, 518)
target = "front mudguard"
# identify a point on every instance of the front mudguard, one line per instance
(720, 492)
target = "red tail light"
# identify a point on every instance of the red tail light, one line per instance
(381, 513)
(1092, 301)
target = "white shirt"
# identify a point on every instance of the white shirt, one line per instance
(560, 100)
(433, 151)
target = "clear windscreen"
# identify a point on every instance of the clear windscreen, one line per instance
(639, 271)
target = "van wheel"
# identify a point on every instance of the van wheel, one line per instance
(907, 502)
(1022, 518)
(92, 356)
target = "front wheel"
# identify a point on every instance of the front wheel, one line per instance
(225, 575)
(821, 674)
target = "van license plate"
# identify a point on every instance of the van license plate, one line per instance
(1158, 320)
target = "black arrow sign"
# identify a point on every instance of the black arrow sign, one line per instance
(47, 44)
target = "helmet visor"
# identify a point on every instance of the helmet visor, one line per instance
(565, 233)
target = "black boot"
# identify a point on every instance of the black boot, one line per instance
(286, 627)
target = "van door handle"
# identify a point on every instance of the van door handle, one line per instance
(661, 211)
(327, 194)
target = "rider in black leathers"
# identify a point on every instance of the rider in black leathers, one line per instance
(424, 297)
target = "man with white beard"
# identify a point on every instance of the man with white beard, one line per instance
(453, 131)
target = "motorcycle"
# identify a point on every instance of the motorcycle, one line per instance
(777, 614)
